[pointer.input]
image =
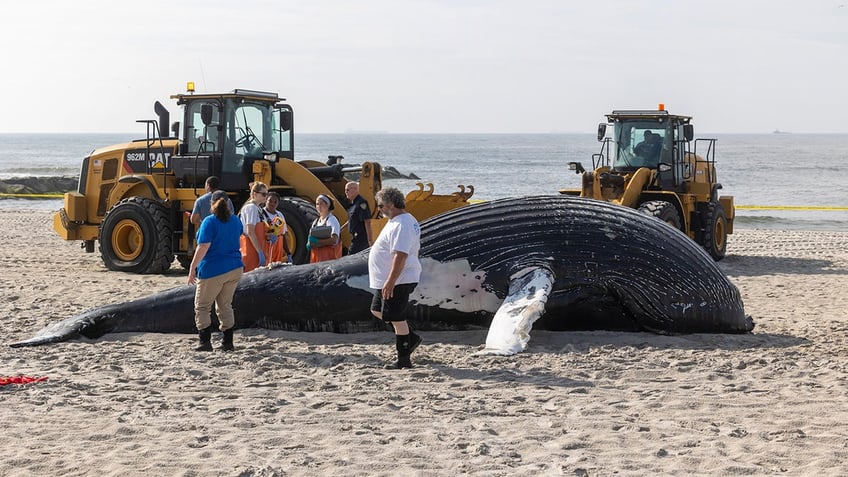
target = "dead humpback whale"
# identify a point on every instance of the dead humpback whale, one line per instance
(549, 262)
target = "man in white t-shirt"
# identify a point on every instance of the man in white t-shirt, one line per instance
(394, 270)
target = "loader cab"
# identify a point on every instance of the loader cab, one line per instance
(641, 143)
(653, 139)
(661, 142)
(224, 134)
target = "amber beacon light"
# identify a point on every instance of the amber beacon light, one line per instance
(190, 86)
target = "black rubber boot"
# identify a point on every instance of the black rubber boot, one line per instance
(205, 339)
(406, 344)
(414, 341)
(227, 343)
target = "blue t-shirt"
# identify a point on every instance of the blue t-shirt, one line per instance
(224, 254)
(203, 206)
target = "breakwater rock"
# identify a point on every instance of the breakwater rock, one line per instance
(388, 172)
(38, 185)
(60, 184)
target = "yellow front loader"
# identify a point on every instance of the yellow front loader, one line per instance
(134, 199)
(648, 165)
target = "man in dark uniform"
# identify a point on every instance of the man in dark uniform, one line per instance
(359, 219)
(649, 149)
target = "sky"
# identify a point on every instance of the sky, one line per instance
(452, 66)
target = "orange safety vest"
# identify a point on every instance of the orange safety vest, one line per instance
(274, 252)
(330, 252)
(248, 253)
(327, 252)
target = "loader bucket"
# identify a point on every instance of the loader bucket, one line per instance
(423, 203)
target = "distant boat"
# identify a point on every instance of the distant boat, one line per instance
(778, 131)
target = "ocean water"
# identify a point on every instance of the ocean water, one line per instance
(767, 170)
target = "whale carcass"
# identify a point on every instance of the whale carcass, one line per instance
(546, 262)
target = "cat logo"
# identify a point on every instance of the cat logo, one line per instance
(156, 160)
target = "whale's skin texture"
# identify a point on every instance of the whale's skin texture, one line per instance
(573, 264)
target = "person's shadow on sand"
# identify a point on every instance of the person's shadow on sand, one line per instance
(553, 343)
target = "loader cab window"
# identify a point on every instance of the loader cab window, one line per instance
(201, 137)
(250, 131)
(641, 144)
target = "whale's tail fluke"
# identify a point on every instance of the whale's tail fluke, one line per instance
(60, 331)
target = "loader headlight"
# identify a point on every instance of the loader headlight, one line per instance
(576, 167)
(271, 156)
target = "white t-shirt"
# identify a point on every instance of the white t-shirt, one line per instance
(249, 215)
(401, 234)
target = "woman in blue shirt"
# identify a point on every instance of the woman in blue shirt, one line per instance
(216, 268)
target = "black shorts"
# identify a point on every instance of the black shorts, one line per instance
(393, 309)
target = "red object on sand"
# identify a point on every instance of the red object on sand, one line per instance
(21, 380)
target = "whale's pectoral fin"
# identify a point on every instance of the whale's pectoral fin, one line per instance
(510, 329)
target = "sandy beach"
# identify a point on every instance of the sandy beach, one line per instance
(774, 402)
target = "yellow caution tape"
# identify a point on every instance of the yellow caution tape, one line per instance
(33, 196)
(473, 201)
(791, 207)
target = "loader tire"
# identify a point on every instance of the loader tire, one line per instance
(665, 211)
(714, 233)
(135, 237)
(299, 215)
